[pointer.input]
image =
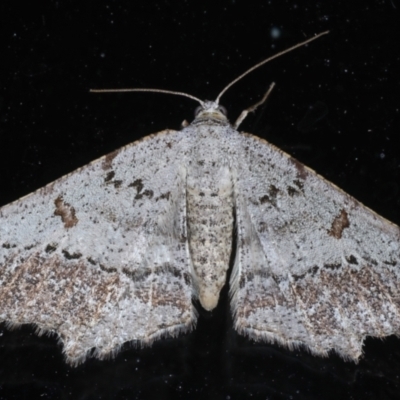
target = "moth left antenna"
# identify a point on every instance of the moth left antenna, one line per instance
(147, 90)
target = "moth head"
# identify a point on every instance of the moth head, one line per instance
(211, 110)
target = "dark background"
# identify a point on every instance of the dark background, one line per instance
(335, 108)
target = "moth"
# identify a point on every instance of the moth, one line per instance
(117, 250)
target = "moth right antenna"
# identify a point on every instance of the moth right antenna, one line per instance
(267, 60)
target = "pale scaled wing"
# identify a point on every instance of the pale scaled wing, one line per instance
(100, 256)
(313, 266)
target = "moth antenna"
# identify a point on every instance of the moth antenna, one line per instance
(148, 90)
(226, 87)
(267, 60)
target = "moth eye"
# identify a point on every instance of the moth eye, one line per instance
(197, 111)
(223, 110)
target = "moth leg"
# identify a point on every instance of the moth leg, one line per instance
(252, 108)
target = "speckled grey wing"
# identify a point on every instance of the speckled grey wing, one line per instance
(100, 256)
(314, 267)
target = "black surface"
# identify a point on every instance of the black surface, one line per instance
(335, 108)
